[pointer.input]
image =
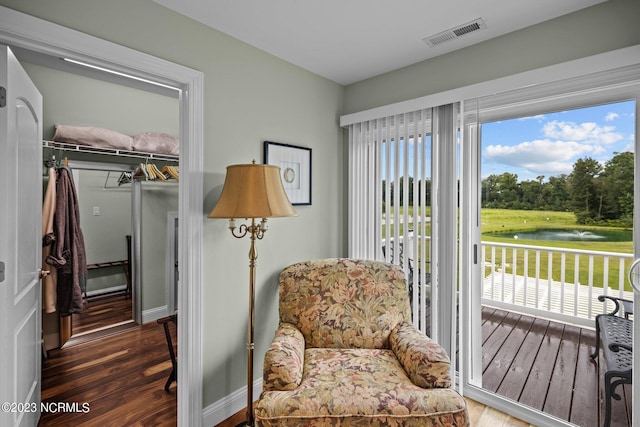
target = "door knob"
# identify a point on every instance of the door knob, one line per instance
(634, 275)
(44, 273)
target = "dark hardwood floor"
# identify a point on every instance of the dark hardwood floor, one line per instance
(102, 311)
(121, 377)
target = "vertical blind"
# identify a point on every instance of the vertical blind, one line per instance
(444, 306)
(389, 196)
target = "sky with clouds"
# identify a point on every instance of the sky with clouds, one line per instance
(550, 144)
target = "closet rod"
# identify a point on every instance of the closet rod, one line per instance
(109, 151)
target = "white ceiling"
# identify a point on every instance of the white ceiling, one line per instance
(351, 40)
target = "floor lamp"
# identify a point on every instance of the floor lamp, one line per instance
(252, 191)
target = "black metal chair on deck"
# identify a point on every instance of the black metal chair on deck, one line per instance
(615, 331)
(400, 261)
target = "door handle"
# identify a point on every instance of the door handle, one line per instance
(43, 273)
(634, 274)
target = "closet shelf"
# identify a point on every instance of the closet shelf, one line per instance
(109, 151)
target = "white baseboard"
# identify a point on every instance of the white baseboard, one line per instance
(219, 411)
(154, 314)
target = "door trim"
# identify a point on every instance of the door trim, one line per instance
(136, 249)
(172, 224)
(25, 31)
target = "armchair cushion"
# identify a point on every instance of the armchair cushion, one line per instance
(426, 363)
(358, 387)
(284, 360)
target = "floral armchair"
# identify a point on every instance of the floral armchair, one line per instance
(346, 354)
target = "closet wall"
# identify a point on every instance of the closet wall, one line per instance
(158, 199)
(104, 231)
(77, 100)
(73, 99)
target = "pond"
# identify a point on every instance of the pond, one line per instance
(570, 235)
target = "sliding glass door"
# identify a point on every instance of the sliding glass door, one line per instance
(546, 226)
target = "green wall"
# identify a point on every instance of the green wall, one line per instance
(73, 99)
(104, 234)
(157, 200)
(607, 26)
(249, 96)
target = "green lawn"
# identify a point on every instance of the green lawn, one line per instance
(505, 220)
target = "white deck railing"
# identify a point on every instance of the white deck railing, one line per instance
(542, 281)
(547, 281)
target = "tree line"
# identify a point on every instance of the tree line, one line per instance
(594, 192)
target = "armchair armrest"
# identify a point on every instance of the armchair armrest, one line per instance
(426, 363)
(284, 361)
(617, 346)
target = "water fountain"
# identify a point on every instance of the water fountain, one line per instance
(570, 235)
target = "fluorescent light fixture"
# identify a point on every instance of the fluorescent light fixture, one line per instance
(118, 73)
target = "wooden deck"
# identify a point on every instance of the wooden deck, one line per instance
(546, 365)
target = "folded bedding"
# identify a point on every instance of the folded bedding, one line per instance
(154, 142)
(147, 142)
(93, 136)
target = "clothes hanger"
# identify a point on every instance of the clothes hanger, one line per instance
(157, 172)
(141, 172)
(125, 178)
(50, 162)
(171, 172)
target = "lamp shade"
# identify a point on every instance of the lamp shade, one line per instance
(253, 191)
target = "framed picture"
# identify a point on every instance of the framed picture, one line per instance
(295, 169)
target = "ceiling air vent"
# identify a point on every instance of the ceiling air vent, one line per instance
(456, 32)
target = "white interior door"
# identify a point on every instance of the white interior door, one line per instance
(20, 243)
